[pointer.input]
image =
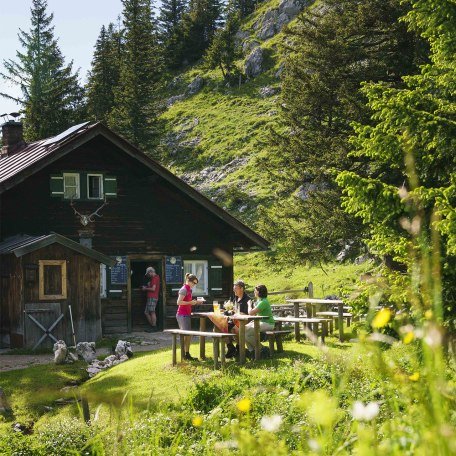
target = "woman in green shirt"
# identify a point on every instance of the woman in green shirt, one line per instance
(263, 308)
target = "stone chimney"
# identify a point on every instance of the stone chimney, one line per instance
(13, 139)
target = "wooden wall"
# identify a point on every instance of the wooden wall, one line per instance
(83, 294)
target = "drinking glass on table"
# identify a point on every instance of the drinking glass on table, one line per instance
(216, 307)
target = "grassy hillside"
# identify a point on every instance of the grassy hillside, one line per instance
(215, 138)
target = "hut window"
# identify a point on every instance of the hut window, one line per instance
(71, 187)
(199, 268)
(95, 186)
(52, 279)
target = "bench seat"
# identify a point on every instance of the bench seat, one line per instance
(276, 336)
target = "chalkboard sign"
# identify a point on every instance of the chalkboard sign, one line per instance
(173, 269)
(119, 271)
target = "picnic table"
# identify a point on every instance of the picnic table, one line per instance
(242, 319)
(310, 323)
(312, 303)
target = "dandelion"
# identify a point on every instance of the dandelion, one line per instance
(197, 421)
(244, 405)
(363, 412)
(414, 377)
(382, 318)
(271, 423)
(428, 314)
(408, 338)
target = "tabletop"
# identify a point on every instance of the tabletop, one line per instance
(233, 317)
(316, 301)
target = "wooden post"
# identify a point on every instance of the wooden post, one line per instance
(340, 311)
(216, 352)
(256, 327)
(222, 353)
(174, 349)
(296, 325)
(324, 330)
(182, 347)
(202, 338)
(242, 324)
(271, 343)
(279, 343)
(310, 287)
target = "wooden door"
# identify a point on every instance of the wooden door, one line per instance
(47, 315)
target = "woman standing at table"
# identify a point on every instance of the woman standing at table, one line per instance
(262, 308)
(185, 302)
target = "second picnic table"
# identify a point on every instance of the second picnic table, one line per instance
(243, 320)
(312, 302)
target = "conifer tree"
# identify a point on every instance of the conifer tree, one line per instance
(330, 53)
(171, 37)
(135, 111)
(52, 99)
(244, 7)
(105, 74)
(223, 51)
(199, 25)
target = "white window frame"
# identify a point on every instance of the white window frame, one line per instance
(78, 185)
(193, 266)
(101, 186)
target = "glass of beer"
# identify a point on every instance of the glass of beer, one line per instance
(216, 306)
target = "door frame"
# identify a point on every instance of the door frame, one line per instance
(145, 257)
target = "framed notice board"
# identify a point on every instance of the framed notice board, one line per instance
(173, 269)
(119, 271)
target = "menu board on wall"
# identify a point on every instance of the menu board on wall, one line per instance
(119, 271)
(173, 269)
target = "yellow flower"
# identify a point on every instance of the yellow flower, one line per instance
(414, 377)
(428, 314)
(197, 420)
(408, 338)
(244, 405)
(382, 318)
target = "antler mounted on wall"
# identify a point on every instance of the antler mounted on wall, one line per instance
(85, 219)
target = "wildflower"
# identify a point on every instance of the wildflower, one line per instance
(197, 420)
(433, 337)
(428, 314)
(271, 423)
(382, 318)
(244, 405)
(414, 377)
(363, 412)
(408, 338)
(314, 445)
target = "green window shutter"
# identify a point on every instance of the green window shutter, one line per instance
(110, 186)
(56, 185)
(215, 278)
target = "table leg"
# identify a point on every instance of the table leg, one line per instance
(203, 338)
(242, 341)
(309, 310)
(216, 353)
(222, 353)
(182, 347)
(324, 330)
(256, 327)
(341, 321)
(296, 325)
(174, 349)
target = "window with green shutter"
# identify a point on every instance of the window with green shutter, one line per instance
(110, 186)
(215, 279)
(56, 183)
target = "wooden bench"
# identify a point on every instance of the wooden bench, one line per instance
(311, 323)
(216, 338)
(335, 315)
(276, 336)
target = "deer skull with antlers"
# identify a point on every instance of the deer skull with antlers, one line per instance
(85, 219)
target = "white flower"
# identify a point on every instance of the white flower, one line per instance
(314, 445)
(271, 423)
(363, 412)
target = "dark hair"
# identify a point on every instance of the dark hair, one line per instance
(191, 277)
(262, 291)
(239, 283)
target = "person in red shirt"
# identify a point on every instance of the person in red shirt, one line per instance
(152, 291)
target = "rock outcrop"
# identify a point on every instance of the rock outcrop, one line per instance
(195, 86)
(86, 350)
(253, 65)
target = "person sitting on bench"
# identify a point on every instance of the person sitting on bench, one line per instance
(242, 302)
(263, 308)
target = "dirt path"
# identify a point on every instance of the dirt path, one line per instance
(140, 341)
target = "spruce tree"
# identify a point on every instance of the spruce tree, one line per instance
(329, 54)
(105, 74)
(136, 96)
(223, 51)
(52, 99)
(199, 25)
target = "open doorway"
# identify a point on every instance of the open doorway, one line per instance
(138, 296)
